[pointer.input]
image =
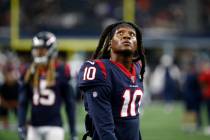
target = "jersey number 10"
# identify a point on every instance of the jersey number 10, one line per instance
(129, 103)
(129, 100)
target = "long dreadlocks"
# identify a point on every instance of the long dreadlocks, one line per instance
(103, 50)
(33, 73)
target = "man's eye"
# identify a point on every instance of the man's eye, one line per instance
(120, 33)
(132, 34)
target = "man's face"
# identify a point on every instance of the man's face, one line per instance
(40, 55)
(41, 52)
(124, 40)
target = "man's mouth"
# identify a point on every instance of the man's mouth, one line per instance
(127, 43)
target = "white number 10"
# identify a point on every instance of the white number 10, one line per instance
(89, 73)
(129, 103)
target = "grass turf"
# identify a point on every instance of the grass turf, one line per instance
(156, 124)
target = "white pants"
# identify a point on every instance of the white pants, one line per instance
(45, 133)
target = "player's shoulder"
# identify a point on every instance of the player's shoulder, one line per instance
(63, 69)
(90, 63)
(92, 73)
(95, 65)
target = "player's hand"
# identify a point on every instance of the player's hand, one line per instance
(22, 133)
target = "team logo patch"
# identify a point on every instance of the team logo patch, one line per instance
(95, 94)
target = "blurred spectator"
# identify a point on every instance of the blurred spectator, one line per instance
(205, 10)
(192, 99)
(75, 63)
(147, 96)
(204, 79)
(2, 65)
(162, 14)
(4, 13)
(73, 18)
(165, 80)
(9, 91)
(4, 21)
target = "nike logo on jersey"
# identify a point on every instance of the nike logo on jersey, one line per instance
(91, 62)
(95, 94)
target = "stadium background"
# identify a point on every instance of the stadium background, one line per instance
(179, 28)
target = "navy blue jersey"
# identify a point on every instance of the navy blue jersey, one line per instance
(46, 101)
(112, 98)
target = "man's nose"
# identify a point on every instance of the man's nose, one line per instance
(126, 36)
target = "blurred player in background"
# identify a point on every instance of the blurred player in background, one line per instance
(9, 92)
(192, 98)
(112, 83)
(45, 86)
(165, 80)
(204, 79)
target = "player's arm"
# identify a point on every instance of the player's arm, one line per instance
(69, 99)
(23, 104)
(70, 108)
(22, 111)
(93, 83)
(99, 107)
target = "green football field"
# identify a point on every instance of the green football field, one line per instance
(156, 124)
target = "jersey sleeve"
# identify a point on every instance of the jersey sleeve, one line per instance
(97, 97)
(91, 74)
(100, 110)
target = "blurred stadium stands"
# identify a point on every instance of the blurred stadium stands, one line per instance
(180, 23)
(160, 19)
(180, 28)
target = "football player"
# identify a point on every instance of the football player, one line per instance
(45, 86)
(112, 84)
(204, 80)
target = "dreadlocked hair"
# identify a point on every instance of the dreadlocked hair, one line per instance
(103, 49)
(33, 73)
